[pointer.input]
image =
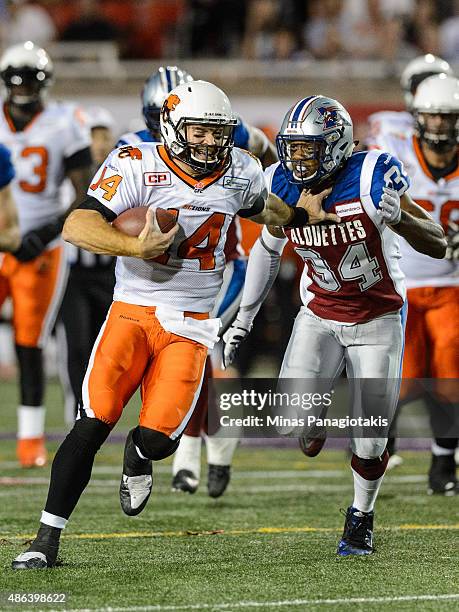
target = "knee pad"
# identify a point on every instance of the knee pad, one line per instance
(31, 375)
(88, 433)
(370, 469)
(154, 444)
(368, 448)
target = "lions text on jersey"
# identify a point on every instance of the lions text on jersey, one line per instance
(189, 275)
(351, 272)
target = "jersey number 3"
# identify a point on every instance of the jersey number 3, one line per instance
(39, 170)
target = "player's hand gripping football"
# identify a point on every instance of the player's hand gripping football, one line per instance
(152, 241)
(312, 203)
(389, 206)
(452, 236)
(232, 339)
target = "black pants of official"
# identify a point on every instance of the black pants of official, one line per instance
(85, 305)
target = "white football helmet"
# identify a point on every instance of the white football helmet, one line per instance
(419, 69)
(326, 124)
(26, 71)
(438, 95)
(197, 103)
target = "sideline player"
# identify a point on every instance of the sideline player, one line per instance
(9, 229)
(352, 287)
(48, 142)
(186, 466)
(158, 330)
(432, 328)
(90, 283)
(402, 122)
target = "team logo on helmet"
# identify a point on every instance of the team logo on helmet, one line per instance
(328, 116)
(170, 104)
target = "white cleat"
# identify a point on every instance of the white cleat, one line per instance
(30, 560)
(134, 493)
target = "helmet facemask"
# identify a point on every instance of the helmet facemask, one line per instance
(190, 144)
(440, 131)
(25, 86)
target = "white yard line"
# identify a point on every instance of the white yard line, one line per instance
(266, 604)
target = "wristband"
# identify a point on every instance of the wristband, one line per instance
(300, 218)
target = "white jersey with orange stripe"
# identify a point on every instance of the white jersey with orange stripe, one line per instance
(441, 199)
(38, 153)
(189, 276)
(387, 123)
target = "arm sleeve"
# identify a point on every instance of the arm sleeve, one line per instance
(262, 269)
(6, 167)
(388, 172)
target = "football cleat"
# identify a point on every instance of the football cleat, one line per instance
(218, 477)
(185, 481)
(311, 445)
(394, 462)
(357, 538)
(31, 452)
(134, 493)
(442, 476)
(30, 560)
(42, 553)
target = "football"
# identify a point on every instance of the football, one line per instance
(132, 221)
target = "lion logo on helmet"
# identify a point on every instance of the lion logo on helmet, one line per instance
(170, 104)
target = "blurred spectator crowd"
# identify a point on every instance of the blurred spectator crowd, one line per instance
(251, 29)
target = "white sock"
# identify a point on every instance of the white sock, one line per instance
(31, 422)
(440, 451)
(365, 492)
(220, 451)
(53, 520)
(188, 455)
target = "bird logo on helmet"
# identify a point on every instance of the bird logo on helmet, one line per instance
(315, 139)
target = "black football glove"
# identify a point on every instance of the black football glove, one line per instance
(34, 242)
(452, 250)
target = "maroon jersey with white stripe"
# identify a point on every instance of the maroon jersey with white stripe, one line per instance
(351, 272)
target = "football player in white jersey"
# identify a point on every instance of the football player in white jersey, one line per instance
(48, 142)
(9, 229)
(432, 331)
(158, 330)
(401, 122)
(186, 466)
(351, 288)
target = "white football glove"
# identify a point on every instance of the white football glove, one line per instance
(452, 250)
(389, 206)
(232, 339)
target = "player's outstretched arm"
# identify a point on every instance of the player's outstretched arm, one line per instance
(308, 211)
(411, 221)
(262, 269)
(9, 230)
(89, 230)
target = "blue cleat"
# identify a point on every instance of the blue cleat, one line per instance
(357, 538)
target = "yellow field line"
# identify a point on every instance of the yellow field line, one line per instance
(230, 532)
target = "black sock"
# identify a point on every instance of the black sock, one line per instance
(133, 465)
(72, 465)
